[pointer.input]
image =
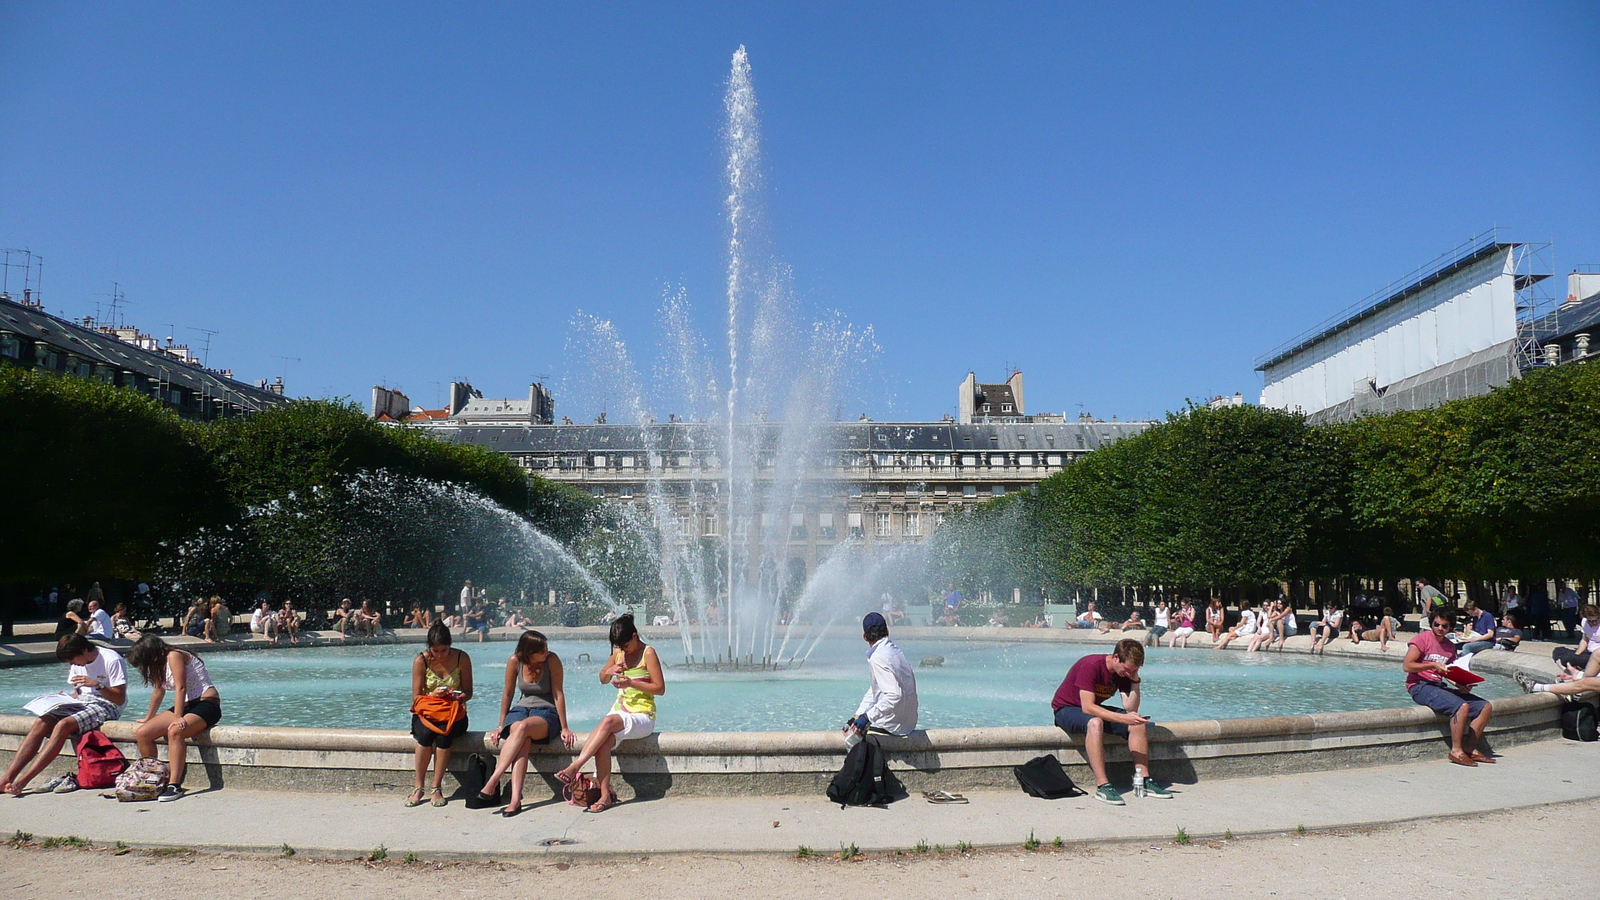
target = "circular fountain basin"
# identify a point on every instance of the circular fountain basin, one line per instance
(333, 718)
(980, 684)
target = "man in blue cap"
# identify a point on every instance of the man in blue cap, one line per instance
(890, 704)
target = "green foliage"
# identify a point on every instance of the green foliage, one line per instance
(804, 852)
(1032, 843)
(1182, 837)
(848, 853)
(286, 850)
(97, 476)
(921, 847)
(379, 854)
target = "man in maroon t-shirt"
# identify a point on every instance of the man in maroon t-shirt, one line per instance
(1428, 659)
(1080, 707)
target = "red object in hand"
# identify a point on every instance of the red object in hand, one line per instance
(1462, 676)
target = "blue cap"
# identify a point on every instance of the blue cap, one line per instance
(873, 620)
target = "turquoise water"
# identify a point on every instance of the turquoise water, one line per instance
(981, 684)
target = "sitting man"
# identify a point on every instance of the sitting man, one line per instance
(518, 620)
(890, 704)
(1080, 708)
(99, 683)
(1575, 663)
(477, 620)
(1428, 659)
(343, 619)
(100, 621)
(1089, 618)
(368, 620)
(1478, 634)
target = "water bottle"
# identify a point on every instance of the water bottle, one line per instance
(1138, 785)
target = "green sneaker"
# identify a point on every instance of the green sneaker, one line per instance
(1105, 793)
(1155, 791)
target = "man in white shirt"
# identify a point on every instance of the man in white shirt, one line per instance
(99, 681)
(890, 704)
(99, 621)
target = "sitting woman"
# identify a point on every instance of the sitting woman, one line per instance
(418, 618)
(1272, 613)
(265, 622)
(218, 620)
(122, 622)
(1246, 628)
(518, 620)
(1185, 629)
(635, 672)
(1215, 615)
(1384, 631)
(1326, 628)
(343, 618)
(74, 621)
(538, 715)
(368, 621)
(289, 621)
(196, 705)
(441, 685)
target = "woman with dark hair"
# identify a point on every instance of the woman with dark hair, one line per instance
(534, 718)
(441, 685)
(635, 672)
(1215, 615)
(196, 704)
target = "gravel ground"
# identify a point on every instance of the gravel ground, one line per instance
(1523, 853)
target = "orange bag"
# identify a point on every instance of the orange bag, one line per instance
(432, 710)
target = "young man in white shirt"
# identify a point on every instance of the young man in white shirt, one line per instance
(890, 704)
(99, 681)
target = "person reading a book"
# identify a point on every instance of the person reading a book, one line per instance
(1433, 682)
(99, 689)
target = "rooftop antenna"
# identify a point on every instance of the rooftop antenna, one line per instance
(286, 361)
(205, 358)
(117, 301)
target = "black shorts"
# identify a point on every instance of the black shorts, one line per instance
(209, 711)
(427, 737)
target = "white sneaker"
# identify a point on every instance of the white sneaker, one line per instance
(58, 781)
(170, 793)
(66, 784)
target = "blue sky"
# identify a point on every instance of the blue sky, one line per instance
(1129, 202)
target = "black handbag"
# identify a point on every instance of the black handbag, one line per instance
(473, 781)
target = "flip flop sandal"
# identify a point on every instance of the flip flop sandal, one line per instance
(943, 797)
(601, 805)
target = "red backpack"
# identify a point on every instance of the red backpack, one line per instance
(99, 760)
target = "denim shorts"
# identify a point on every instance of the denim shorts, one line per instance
(1073, 720)
(518, 713)
(1445, 701)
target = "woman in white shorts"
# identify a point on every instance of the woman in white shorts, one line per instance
(1185, 625)
(635, 672)
(1245, 629)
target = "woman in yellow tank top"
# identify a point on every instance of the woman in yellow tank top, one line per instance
(635, 672)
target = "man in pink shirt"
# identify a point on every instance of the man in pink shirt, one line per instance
(1428, 659)
(1081, 708)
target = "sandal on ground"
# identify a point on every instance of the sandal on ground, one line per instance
(438, 799)
(601, 805)
(943, 797)
(563, 777)
(416, 799)
(1461, 759)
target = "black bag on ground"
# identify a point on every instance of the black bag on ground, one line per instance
(473, 780)
(864, 780)
(1043, 776)
(1579, 722)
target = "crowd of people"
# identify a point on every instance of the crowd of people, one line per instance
(533, 709)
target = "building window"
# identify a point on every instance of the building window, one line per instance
(1005, 407)
(998, 490)
(627, 462)
(855, 525)
(1052, 460)
(855, 490)
(883, 490)
(626, 491)
(913, 490)
(986, 407)
(599, 462)
(597, 492)
(682, 523)
(885, 525)
(825, 525)
(913, 524)
(940, 490)
(797, 526)
(685, 461)
(1025, 459)
(971, 460)
(969, 490)
(711, 526)
(997, 459)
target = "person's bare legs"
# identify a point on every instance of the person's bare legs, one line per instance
(1474, 731)
(441, 765)
(1094, 747)
(178, 733)
(424, 756)
(600, 737)
(602, 776)
(19, 773)
(514, 755)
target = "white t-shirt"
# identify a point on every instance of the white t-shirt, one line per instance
(1161, 617)
(1591, 634)
(1247, 622)
(100, 623)
(107, 670)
